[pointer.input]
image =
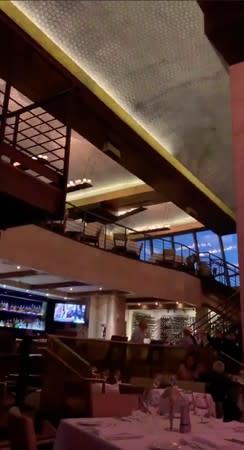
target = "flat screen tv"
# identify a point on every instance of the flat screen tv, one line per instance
(69, 312)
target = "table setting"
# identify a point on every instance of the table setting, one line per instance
(172, 419)
(143, 431)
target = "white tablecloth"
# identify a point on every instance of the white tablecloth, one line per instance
(146, 432)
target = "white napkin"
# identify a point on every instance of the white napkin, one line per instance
(204, 401)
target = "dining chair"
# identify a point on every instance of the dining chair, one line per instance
(113, 404)
(194, 386)
(22, 433)
(145, 382)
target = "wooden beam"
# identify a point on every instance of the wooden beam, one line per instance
(174, 230)
(61, 284)
(22, 186)
(18, 274)
(147, 198)
(111, 195)
(29, 163)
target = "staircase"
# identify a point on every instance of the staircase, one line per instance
(225, 313)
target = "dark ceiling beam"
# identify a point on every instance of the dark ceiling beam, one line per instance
(18, 274)
(224, 27)
(135, 200)
(77, 295)
(61, 284)
(39, 76)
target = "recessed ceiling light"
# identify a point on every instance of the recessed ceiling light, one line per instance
(27, 290)
(100, 289)
(138, 304)
(71, 289)
(4, 285)
(18, 267)
(16, 164)
(43, 157)
(156, 303)
(47, 294)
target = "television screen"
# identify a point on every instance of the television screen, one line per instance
(67, 312)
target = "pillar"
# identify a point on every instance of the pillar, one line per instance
(237, 109)
(109, 311)
(202, 316)
(224, 27)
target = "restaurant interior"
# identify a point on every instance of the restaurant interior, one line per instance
(121, 237)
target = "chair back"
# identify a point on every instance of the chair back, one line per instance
(194, 386)
(113, 404)
(145, 382)
(126, 388)
(21, 431)
(116, 337)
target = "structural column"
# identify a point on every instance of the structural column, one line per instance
(237, 108)
(107, 316)
(224, 27)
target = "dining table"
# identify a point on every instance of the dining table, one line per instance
(143, 431)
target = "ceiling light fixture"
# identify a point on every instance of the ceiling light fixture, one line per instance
(152, 229)
(71, 289)
(18, 267)
(125, 211)
(100, 289)
(16, 164)
(44, 157)
(78, 184)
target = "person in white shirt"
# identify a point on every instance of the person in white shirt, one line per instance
(188, 340)
(138, 335)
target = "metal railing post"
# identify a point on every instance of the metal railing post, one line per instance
(16, 128)
(5, 110)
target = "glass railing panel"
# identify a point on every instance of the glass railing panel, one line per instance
(92, 229)
(182, 251)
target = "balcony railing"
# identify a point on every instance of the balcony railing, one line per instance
(96, 230)
(36, 142)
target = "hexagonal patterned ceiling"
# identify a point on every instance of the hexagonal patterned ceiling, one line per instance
(153, 58)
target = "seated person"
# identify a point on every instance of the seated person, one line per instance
(224, 393)
(190, 262)
(201, 373)
(187, 369)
